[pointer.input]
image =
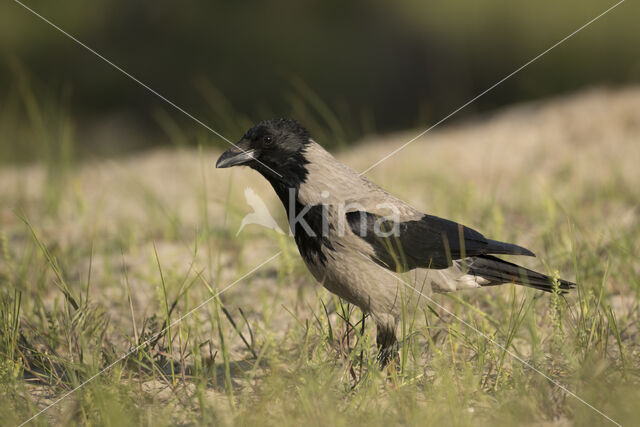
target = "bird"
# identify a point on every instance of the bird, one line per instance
(260, 215)
(350, 232)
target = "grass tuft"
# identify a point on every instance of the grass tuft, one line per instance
(80, 287)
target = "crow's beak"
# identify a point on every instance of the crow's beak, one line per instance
(235, 156)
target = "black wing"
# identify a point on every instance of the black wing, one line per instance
(429, 242)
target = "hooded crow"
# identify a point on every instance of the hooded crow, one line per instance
(347, 229)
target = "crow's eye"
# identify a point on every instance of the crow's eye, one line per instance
(268, 139)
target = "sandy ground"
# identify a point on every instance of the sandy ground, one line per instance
(167, 196)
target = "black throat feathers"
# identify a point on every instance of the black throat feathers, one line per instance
(308, 223)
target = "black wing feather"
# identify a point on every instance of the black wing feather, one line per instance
(430, 242)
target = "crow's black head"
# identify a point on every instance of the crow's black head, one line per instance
(275, 148)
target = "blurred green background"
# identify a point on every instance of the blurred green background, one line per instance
(345, 69)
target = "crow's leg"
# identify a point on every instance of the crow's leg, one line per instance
(387, 345)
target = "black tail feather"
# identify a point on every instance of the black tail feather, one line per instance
(498, 271)
(496, 247)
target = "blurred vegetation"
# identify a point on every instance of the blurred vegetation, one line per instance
(98, 258)
(345, 69)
